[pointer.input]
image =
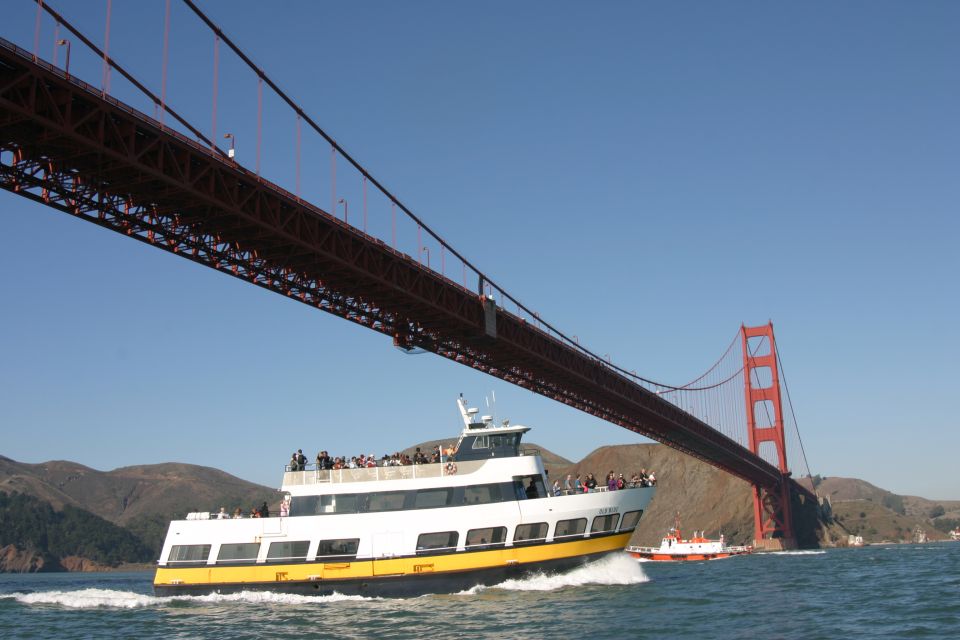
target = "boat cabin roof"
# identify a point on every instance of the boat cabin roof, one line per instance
(482, 439)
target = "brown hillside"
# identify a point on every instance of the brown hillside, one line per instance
(129, 493)
(705, 497)
(877, 523)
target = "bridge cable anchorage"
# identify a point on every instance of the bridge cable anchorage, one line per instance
(136, 83)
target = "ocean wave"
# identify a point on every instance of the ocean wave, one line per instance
(618, 569)
(109, 598)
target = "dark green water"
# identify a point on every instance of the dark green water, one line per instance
(909, 591)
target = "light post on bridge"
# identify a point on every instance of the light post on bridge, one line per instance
(346, 217)
(232, 151)
(427, 251)
(64, 42)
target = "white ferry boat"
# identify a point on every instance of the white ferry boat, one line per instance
(478, 517)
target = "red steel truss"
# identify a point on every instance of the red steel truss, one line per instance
(771, 503)
(64, 144)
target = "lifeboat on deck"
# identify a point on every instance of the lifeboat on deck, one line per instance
(674, 548)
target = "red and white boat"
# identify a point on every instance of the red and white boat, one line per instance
(674, 547)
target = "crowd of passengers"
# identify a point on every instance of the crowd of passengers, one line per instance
(614, 481)
(325, 462)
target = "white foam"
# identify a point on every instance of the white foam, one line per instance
(89, 598)
(94, 598)
(616, 569)
(793, 553)
(270, 597)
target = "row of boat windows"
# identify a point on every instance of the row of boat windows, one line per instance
(345, 549)
(518, 489)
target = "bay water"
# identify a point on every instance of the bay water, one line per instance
(895, 591)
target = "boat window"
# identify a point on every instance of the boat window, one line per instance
(242, 552)
(570, 528)
(386, 501)
(338, 550)
(482, 494)
(530, 533)
(322, 505)
(189, 554)
(431, 498)
(630, 520)
(305, 505)
(343, 503)
(603, 524)
(444, 542)
(284, 551)
(529, 487)
(489, 538)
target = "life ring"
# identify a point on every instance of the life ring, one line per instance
(451, 468)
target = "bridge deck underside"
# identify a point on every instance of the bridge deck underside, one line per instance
(66, 146)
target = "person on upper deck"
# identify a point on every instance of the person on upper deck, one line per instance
(591, 482)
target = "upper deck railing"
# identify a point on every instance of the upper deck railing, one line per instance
(376, 474)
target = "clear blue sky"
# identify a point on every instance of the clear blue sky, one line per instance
(646, 175)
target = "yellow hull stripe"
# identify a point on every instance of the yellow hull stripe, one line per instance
(453, 562)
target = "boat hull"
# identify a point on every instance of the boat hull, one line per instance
(411, 576)
(666, 557)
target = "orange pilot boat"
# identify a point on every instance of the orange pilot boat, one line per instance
(674, 547)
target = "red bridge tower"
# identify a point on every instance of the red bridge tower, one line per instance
(773, 525)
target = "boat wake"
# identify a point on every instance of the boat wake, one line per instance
(795, 553)
(616, 569)
(110, 598)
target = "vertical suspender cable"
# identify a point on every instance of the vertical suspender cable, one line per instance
(166, 48)
(36, 30)
(105, 80)
(298, 156)
(333, 181)
(364, 203)
(216, 74)
(56, 37)
(259, 118)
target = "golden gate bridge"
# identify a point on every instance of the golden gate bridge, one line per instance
(160, 180)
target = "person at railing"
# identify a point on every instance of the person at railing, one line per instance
(371, 461)
(324, 463)
(285, 507)
(301, 460)
(578, 485)
(238, 513)
(621, 483)
(591, 482)
(222, 514)
(651, 479)
(294, 464)
(556, 488)
(568, 484)
(611, 482)
(264, 510)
